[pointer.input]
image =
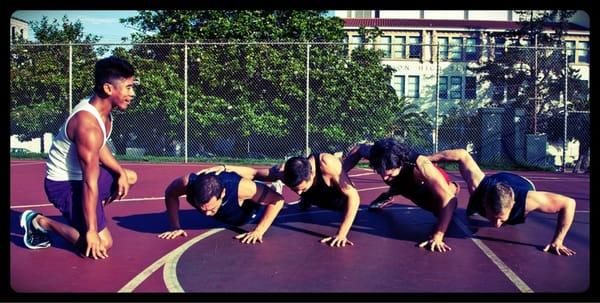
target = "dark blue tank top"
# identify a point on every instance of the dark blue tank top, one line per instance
(520, 187)
(322, 195)
(230, 211)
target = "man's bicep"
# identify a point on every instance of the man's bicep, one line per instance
(88, 141)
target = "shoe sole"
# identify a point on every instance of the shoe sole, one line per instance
(23, 223)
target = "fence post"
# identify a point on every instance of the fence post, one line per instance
(185, 101)
(566, 115)
(70, 78)
(437, 100)
(306, 152)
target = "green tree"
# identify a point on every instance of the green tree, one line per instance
(256, 92)
(533, 76)
(39, 77)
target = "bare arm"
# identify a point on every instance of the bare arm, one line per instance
(436, 182)
(172, 193)
(333, 167)
(274, 202)
(111, 163)
(355, 154)
(469, 169)
(273, 173)
(85, 132)
(554, 203)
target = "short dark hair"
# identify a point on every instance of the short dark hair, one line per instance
(108, 69)
(500, 196)
(296, 170)
(387, 154)
(204, 187)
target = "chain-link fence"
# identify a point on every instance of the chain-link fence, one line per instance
(209, 101)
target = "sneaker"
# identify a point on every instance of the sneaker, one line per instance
(381, 201)
(33, 238)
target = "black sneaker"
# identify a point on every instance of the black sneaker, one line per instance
(33, 238)
(381, 201)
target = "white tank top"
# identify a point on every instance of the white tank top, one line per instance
(63, 161)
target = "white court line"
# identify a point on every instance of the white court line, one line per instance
(26, 163)
(512, 276)
(170, 273)
(117, 201)
(364, 174)
(137, 280)
(152, 198)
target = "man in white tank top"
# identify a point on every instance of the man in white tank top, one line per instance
(82, 175)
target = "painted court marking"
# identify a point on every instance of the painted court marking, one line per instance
(511, 275)
(171, 259)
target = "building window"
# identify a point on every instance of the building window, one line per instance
(413, 87)
(455, 87)
(471, 52)
(398, 85)
(443, 45)
(355, 42)
(362, 14)
(443, 87)
(415, 47)
(499, 47)
(570, 48)
(470, 88)
(13, 33)
(583, 52)
(400, 47)
(386, 46)
(455, 49)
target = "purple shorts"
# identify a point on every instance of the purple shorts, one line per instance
(67, 197)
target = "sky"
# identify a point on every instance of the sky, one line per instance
(104, 24)
(101, 23)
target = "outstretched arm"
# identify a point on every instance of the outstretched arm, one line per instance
(554, 203)
(85, 132)
(436, 182)
(260, 193)
(333, 167)
(469, 169)
(358, 152)
(273, 173)
(172, 193)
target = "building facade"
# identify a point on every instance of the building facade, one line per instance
(18, 28)
(411, 38)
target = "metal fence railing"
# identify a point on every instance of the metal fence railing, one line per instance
(507, 105)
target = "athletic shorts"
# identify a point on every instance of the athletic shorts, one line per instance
(67, 196)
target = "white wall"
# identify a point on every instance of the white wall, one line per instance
(489, 15)
(405, 14)
(445, 15)
(34, 144)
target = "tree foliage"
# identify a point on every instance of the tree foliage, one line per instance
(39, 76)
(243, 89)
(537, 72)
